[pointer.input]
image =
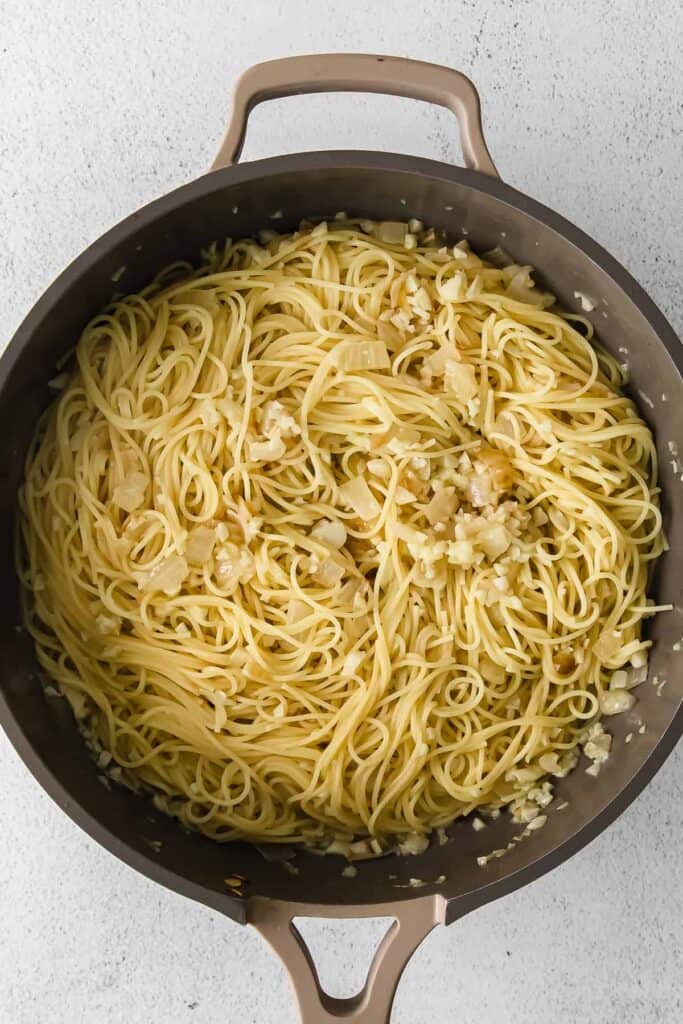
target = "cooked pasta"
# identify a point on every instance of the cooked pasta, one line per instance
(340, 536)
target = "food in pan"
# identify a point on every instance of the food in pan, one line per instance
(339, 537)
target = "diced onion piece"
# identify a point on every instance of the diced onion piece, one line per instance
(130, 493)
(522, 288)
(614, 702)
(347, 594)
(232, 411)
(379, 468)
(422, 300)
(276, 418)
(443, 506)
(480, 490)
(494, 540)
(167, 576)
(267, 451)
(461, 552)
(209, 413)
(361, 355)
(550, 763)
(199, 547)
(297, 610)
(498, 256)
(539, 517)
(505, 425)
(408, 534)
(402, 496)
(498, 465)
(435, 364)
(328, 573)
(330, 532)
(454, 288)
(356, 494)
(234, 565)
(619, 680)
(108, 625)
(460, 380)
(389, 335)
(59, 382)
(402, 440)
(523, 775)
(413, 844)
(392, 231)
(607, 646)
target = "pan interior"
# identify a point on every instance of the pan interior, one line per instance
(237, 202)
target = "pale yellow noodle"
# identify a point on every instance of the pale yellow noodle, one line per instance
(275, 685)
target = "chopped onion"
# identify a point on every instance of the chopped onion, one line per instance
(412, 844)
(409, 534)
(59, 382)
(402, 496)
(392, 231)
(361, 355)
(453, 289)
(330, 532)
(199, 547)
(130, 494)
(505, 425)
(522, 288)
(435, 364)
(615, 702)
(356, 494)
(498, 465)
(402, 440)
(267, 451)
(389, 335)
(443, 506)
(233, 411)
(167, 576)
(328, 573)
(379, 468)
(607, 646)
(494, 540)
(276, 418)
(108, 625)
(549, 763)
(461, 552)
(209, 414)
(460, 379)
(480, 490)
(498, 256)
(234, 565)
(297, 610)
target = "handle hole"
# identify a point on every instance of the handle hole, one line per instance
(342, 950)
(345, 120)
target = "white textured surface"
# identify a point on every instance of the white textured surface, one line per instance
(104, 106)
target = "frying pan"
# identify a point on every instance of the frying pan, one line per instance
(237, 200)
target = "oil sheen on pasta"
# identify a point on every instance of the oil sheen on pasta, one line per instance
(342, 535)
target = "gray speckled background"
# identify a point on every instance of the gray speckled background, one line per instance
(104, 106)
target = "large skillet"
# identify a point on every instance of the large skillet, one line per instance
(238, 200)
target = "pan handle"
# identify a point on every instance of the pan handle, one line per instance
(413, 920)
(358, 72)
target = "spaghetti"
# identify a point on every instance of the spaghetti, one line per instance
(340, 536)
